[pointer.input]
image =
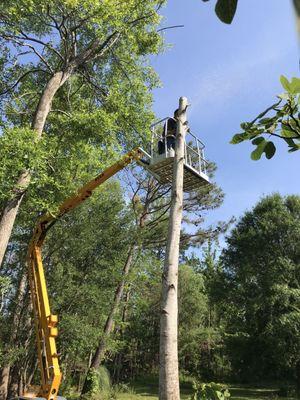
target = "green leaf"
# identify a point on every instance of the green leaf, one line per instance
(285, 83)
(239, 137)
(258, 140)
(270, 150)
(219, 394)
(265, 121)
(283, 96)
(256, 154)
(287, 133)
(295, 85)
(289, 128)
(245, 125)
(290, 142)
(225, 10)
(295, 148)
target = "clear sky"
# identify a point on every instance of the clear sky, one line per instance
(230, 73)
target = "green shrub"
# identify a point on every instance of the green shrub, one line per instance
(210, 391)
(99, 385)
(104, 381)
(123, 388)
(287, 391)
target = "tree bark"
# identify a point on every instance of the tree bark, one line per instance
(93, 51)
(13, 387)
(99, 354)
(168, 353)
(10, 212)
(11, 209)
(5, 375)
(5, 372)
(119, 357)
(101, 349)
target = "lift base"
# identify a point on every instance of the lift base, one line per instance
(36, 398)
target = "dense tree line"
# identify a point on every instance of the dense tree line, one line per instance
(238, 311)
(75, 95)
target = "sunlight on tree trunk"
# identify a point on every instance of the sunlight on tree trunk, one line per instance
(4, 381)
(11, 209)
(168, 374)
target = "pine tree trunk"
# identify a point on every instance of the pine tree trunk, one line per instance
(101, 349)
(10, 211)
(168, 354)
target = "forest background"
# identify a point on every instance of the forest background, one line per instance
(227, 302)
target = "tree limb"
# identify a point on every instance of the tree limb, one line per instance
(170, 27)
(20, 79)
(62, 112)
(24, 36)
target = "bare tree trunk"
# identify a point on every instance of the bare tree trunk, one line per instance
(99, 354)
(119, 357)
(5, 375)
(101, 349)
(5, 372)
(30, 366)
(125, 308)
(13, 387)
(21, 384)
(168, 362)
(11, 209)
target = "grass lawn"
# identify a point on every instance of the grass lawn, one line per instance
(239, 392)
(148, 391)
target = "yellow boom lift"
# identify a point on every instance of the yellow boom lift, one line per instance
(160, 166)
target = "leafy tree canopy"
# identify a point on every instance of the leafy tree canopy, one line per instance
(101, 46)
(261, 293)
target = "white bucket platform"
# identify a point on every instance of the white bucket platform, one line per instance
(160, 159)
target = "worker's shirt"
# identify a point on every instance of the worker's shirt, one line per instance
(170, 128)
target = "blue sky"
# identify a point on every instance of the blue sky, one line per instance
(230, 73)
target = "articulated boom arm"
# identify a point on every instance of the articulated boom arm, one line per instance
(45, 322)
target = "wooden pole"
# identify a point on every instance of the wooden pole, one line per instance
(168, 352)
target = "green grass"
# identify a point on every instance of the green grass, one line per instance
(148, 391)
(244, 392)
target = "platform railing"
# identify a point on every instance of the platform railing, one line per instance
(193, 147)
(158, 136)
